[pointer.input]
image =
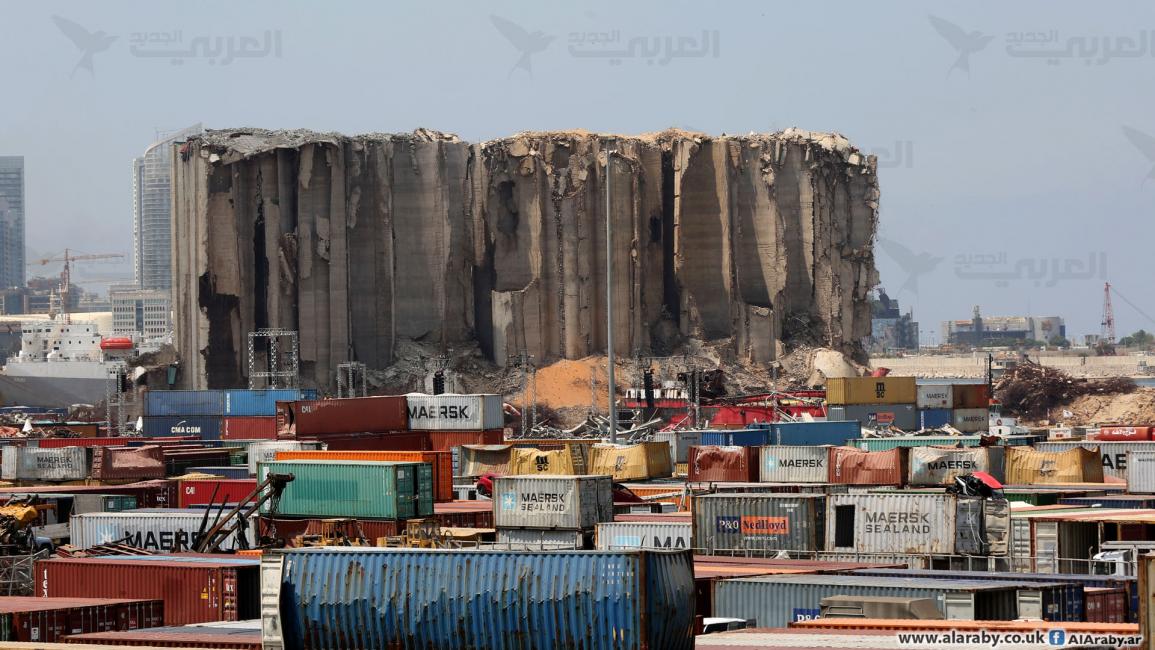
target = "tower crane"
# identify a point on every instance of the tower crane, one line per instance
(66, 274)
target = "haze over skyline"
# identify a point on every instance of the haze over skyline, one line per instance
(1016, 142)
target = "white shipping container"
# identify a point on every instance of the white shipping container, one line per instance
(934, 396)
(48, 464)
(940, 466)
(1114, 453)
(1141, 472)
(552, 502)
(452, 412)
(154, 529)
(792, 464)
(266, 451)
(680, 443)
(617, 536)
(890, 523)
(532, 538)
(970, 420)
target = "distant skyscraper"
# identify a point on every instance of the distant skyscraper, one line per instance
(152, 223)
(11, 221)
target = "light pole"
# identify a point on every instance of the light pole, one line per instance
(610, 303)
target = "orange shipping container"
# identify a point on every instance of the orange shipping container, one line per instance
(851, 466)
(730, 464)
(442, 462)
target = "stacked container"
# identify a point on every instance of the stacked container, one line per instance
(741, 524)
(725, 464)
(214, 414)
(441, 463)
(551, 510)
(354, 489)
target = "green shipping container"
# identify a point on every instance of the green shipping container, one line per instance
(346, 488)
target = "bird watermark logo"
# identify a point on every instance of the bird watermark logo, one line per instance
(1145, 143)
(965, 43)
(527, 43)
(914, 264)
(89, 43)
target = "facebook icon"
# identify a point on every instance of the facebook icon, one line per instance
(1057, 637)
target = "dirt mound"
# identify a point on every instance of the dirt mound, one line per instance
(1031, 390)
(1137, 408)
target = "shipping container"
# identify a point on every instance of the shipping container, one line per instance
(479, 460)
(440, 461)
(617, 536)
(46, 443)
(222, 471)
(1140, 471)
(207, 427)
(552, 502)
(778, 600)
(1106, 605)
(369, 530)
(347, 415)
(736, 438)
(128, 463)
(194, 589)
(891, 523)
(738, 524)
(934, 418)
(36, 464)
(448, 440)
(637, 462)
(713, 463)
(850, 466)
(1074, 464)
(793, 464)
(1113, 501)
(261, 402)
(970, 420)
(82, 503)
(381, 489)
(49, 620)
(843, 391)
(834, 431)
(178, 460)
(584, 599)
(971, 396)
(202, 492)
(189, 636)
(452, 412)
(935, 397)
(525, 461)
(179, 403)
(1113, 454)
(149, 494)
(1122, 434)
(150, 529)
(680, 442)
(388, 441)
(901, 416)
(266, 451)
(940, 465)
(530, 539)
(249, 428)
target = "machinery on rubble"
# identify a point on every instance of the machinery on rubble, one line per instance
(232, 524)
(17, 532)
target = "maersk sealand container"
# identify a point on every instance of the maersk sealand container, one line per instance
(336, 598)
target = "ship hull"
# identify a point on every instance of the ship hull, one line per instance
(50, 391)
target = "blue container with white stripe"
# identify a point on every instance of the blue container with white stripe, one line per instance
(934, 418)
(261, 402)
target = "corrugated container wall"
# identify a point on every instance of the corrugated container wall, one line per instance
(1027, 466)
(201, 492)
(638, 462)
(890, 523)
(451, 412)
(1113, 454)
(935, 396)
(348, 415)
(903, 416)
(207, 427)
(710, 463)
(940, 466)
(793, 464)
(440, 461)
(971, 396)
(557, 462)
(736, 438)
(626, 600)
(1141, 472)
(221, 471)
(538, 539)
(121, 463)
(562, 502)
(726, 524)
(159, 403)
(970, 420)
(249, 428)
(265, 452)
(834, 431)
(841, 391)
(447, 440)
(36, 464)
(616, 536)
(157, 531)
(43, 620)
(261, 402)
(378, 489)
(479, 460)
(934, 418)
(851, 466)
(680, 442)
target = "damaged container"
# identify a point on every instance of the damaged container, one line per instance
(629, 600)
(617, 536)
(160, 530)
(1027, 466)
(452, 412)
(1113, 455)
(555, 502)
(637, 462)
(49, 620)
(736, 524)
(347, 488)
(940, 466)
(48, 464)
(479, 460)
(793, 464)
(527, 461)
(891, 523)
(850, 466)
(723, 464)
(345, 415)
(128, 463)
(440, 461)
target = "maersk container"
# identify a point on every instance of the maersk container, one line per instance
(530, 539)
(266, 451)
(680, 442)
(452, 412)
(48, 464)
(207, 427)
(377, 489)
(161, 403)
(778, 600)
(792, 464)
(834, 431)
(261, 402)
(890, 523)
(616, 536)
(736, 438)
(1114, 453)
(420, 598)
(934, 418)
(940, 466)
(903, 416)
(151, 529)
(737, 524)
(935, 397)
(970, 420)
(552, 502)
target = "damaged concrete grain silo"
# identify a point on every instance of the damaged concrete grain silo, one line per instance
(360, 242)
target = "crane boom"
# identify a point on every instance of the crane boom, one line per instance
(66, 274)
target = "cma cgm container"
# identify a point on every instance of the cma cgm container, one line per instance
(348, 415)
(440, 461)
(35, 464)
(49, 620)
(890, 523)
(452, 412)
(831, 432)
(903, 416)
(378, 489)
(934, 396)
(160, 403)
(266, 451)
(150, 529)
(713, 463)
(736, 524)
(200, 492)
(552, 502)
(843, 391)
(793, 464)
(628, 600)
(616, 536)
(261, 402)
(194, 589)
(205, 427)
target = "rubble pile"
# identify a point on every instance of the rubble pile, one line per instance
(1030, 390)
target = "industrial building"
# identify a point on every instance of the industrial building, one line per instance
(140, 312)
(1003, 330)
(12, 206)
(890, 329)
(152, 212)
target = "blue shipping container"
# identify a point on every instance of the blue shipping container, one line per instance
(207, 428)
(736, 437)
(263, 402)
(1113, 501)
(223, 471)
(419, 598)
(933, 418)
(184, 402)
(830, 432)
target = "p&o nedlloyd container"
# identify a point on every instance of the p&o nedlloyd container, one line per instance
(793, 464)
(628, 600)
(890, 523)
(739, 523)
(561, 502)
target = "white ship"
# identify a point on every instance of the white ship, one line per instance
(60, 363)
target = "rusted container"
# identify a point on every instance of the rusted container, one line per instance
(249, 428)
(971, 396)
(201, 492)
(1106, 604)
(447, 440)
(54, 443)
(194, 589)
(347, 415)
(1122, 434)
(709, 463)
(389, 441)
(891, 523)
(1027, 466)
(479, 460)
(637, 462)
(291, 530)
(842, 391)
(465, 514)
(850, 466)
(48, 620)
(149, 494)
(441, 461)
(215, 638)
(940, 466)
(35, 464)
(120, 463)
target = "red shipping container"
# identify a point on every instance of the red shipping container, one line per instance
(56, 443)
(128, 463)
(730, 464)
(347, 415)
(249, 428)
(447, 440)
(176, 637)
(395, 441)
(1122, 434)
(49, 620)
(442, 462)
(1106, 604)
(193, 591)
(290, 529)
(971, 396)
(149, 494)
(851, 466)
(199, 492)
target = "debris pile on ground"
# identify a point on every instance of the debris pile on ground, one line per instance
(1137, 408)
(1032, 391)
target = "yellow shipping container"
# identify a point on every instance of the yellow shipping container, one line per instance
(632, 462)
(530, 461)
(848, 391)
(1026, 466)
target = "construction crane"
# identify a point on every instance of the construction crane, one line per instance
(66, 274)
(1106, 345)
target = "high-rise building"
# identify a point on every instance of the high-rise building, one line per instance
(145, 313)
(11, 221)
(152, 223)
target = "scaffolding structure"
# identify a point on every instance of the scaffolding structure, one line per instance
(352, 380)
(17, 573)
(282, 360)
(117, 397)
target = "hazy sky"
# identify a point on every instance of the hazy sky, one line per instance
(1019, 173)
